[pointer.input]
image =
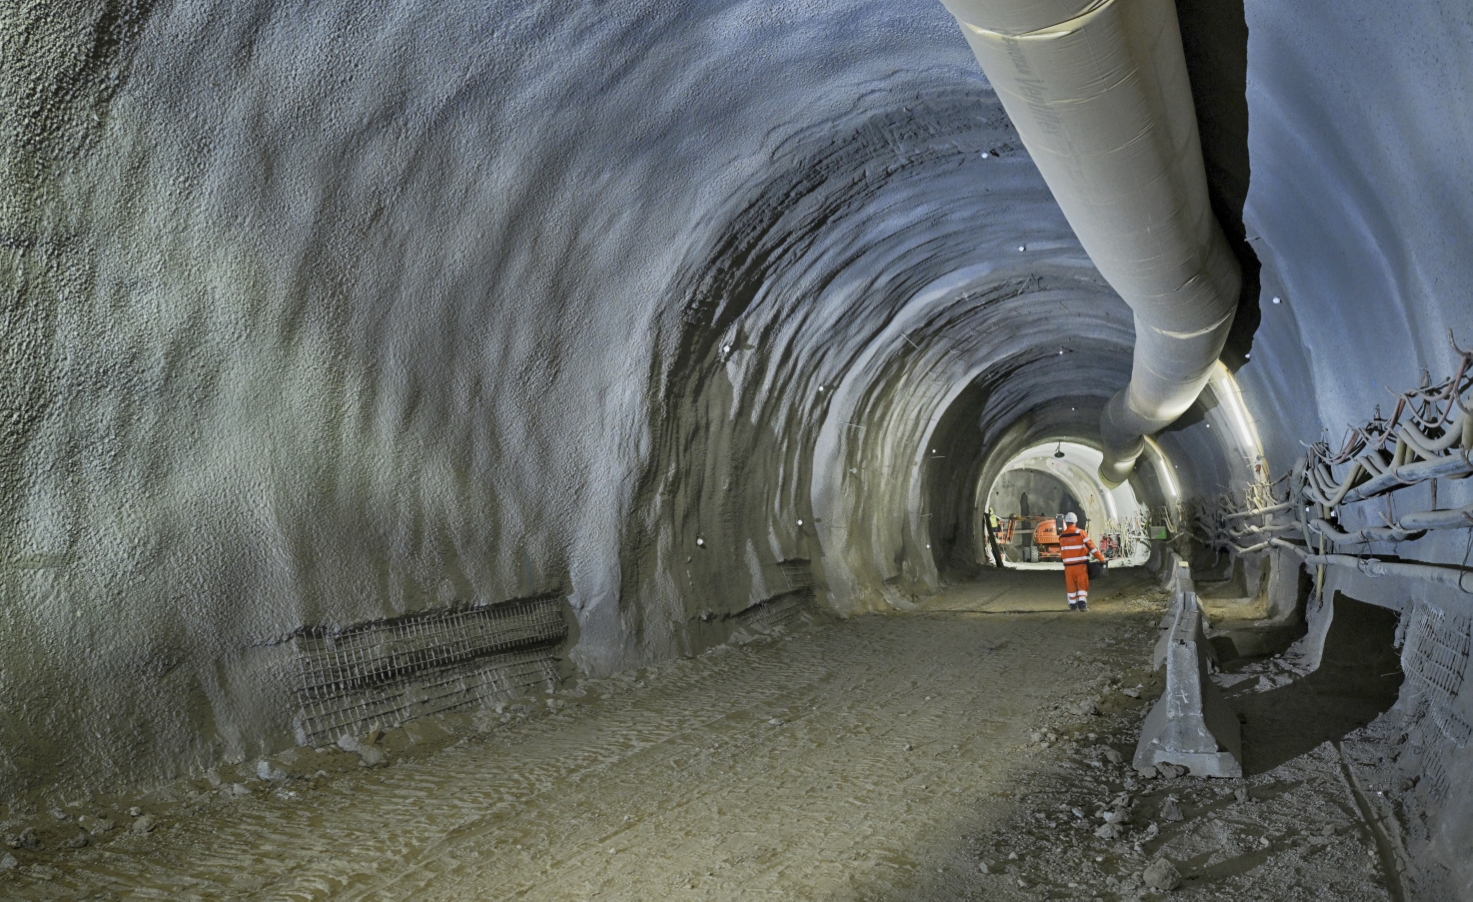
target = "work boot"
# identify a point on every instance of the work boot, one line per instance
(1084, 606)
(1073, 606)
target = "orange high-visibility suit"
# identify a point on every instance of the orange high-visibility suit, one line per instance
(1075, 548)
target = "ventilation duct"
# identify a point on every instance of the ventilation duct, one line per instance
(1098, 92)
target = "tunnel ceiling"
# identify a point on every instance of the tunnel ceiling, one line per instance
(322, 314)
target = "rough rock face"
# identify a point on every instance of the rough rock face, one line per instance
(316, 315)
(1358, 126)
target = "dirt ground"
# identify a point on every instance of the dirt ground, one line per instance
(976, 748)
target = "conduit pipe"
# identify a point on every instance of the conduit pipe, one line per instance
(1098, 92)
(1457, 577)
(1410, 527)
(1258, 512)
(1455, 465)
(1361, 536)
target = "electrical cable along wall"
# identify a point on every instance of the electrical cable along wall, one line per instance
(1387, 518)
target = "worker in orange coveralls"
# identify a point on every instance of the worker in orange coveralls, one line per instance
(1075, 548)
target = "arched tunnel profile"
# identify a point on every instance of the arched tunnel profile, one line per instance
(565, 451)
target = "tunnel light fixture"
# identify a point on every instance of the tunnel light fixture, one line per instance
(1277, 300)
(1227, 391)
(1022, 248)
(1163, 472)
(800, 522)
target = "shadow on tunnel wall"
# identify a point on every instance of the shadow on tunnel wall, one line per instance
(1214, 36)
(1359, 678)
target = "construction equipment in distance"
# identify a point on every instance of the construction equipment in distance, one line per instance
(1032, 539)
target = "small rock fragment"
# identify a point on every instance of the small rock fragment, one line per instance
(135, 811)
(8, 862)
(1108, 831)
(78, 841)
(265, 771)
(1327, 830)
(983, 868)
(1162, 875)
(1113, 756)
(1012, 856)
(1148, 772)
(143, 824)
(368, 755)
(25, 840)
(1171, 810)
(1133, 693)
(1241, 794)
(95, 826)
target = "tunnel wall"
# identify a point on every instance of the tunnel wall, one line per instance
(321, 317)
(1358, 129)
(1047, 496)
(333, 322)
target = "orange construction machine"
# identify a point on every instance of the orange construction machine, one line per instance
(1032, 538)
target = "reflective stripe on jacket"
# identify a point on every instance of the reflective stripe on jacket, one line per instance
(1075, 546)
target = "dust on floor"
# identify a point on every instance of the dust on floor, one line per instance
(952, 752)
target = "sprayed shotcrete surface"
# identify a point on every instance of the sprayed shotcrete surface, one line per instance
(828, 762)
(316, 315)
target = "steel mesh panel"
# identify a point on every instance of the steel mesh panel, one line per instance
(798, 572)
(386, 672)
(1434, 660)
(779, 610)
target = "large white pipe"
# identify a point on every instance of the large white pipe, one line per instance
(1099, 94)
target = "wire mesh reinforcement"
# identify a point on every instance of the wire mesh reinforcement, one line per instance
(779, 610)
(798, 572)
(386, 672)
(1435, 658)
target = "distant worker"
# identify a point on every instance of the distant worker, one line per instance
(1075, 548)
(992, 527)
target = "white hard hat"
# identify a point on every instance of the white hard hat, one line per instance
(1070, 518)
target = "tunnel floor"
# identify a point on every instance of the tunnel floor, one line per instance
(930, 755)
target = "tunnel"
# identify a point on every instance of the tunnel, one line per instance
(552, 451)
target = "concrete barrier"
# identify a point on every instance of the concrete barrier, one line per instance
(1191, 724)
